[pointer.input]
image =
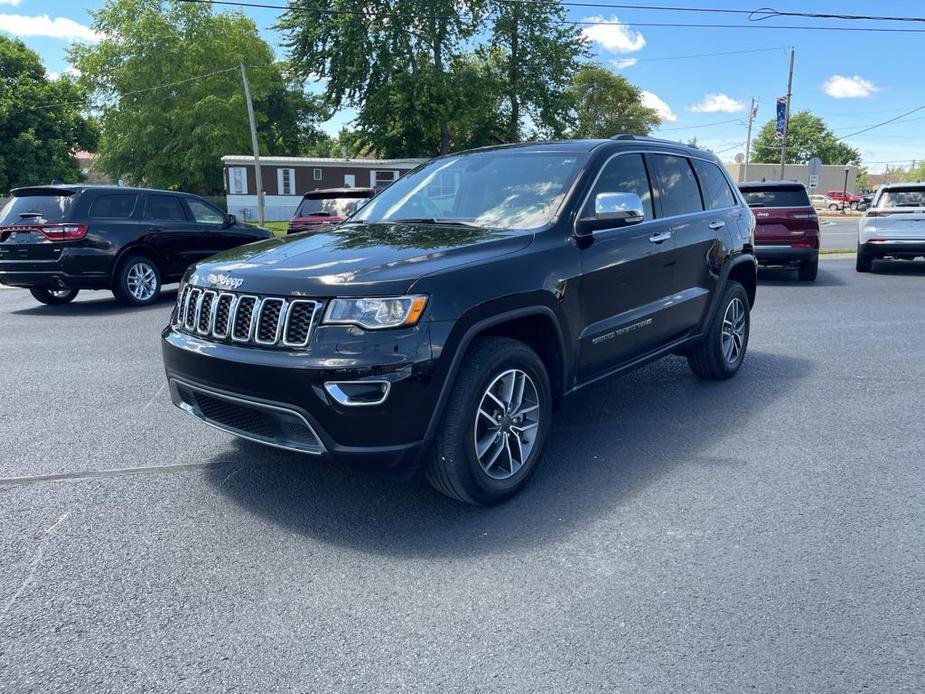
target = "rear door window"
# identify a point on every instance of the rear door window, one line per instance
(678, 189)
(625, 173)
(164, 207)
(777, 196)
(37, 208)
(113, 206)
(713, 185)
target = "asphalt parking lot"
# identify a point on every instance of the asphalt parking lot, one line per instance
(763, 534)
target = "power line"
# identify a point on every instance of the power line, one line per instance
(703, 125)
(710, 55)
(371, 14)
(880, 125)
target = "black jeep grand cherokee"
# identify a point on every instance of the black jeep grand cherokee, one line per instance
(441, 324)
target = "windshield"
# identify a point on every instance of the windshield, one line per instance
(36, 209)
(776, 197)
(902, 197)
(329, 207)
(503, 189)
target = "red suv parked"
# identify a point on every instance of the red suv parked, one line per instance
(787, 228)
(851, 199)
(324, 208)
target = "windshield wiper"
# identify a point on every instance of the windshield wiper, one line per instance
(432, 220)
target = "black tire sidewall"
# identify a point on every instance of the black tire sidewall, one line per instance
(121, 289)
(45, 296)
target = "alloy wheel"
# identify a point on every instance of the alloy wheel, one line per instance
(506, 424)
(734, 330)
(142, 281)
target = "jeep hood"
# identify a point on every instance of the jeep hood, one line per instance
(354, 259)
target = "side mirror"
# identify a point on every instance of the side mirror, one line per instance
(612, 210)
(230, 220)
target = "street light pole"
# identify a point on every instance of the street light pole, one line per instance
(752, 112)
(783, 144)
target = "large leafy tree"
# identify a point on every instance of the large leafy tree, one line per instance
(40, 121)
(168, 89)
(393, 60)
(536, 55)
(807, 136)
(606, 104)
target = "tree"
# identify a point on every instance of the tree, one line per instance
(807, 136)
(606, 104)
(41, 125)
(171, 103)
(535, 56)
(692, 142)
(392, 60)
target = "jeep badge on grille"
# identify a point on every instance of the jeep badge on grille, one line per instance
(226, 281)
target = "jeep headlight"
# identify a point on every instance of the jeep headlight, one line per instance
(375, 313)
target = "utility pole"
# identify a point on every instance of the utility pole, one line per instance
(752, 112)
(783, 144)
(250, 115)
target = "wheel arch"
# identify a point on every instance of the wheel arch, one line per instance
(139, 248)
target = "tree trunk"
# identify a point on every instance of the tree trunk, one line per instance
(438, 66)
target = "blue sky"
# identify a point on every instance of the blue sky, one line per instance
(851, 79)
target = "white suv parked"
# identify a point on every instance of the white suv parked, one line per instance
(894, 226)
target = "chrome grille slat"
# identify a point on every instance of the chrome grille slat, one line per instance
(264, 321)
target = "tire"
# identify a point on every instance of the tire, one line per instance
(809, 270)
(54, 297)
(863, 262)
(853, 206)
(833, 207)
(453, 468)
(137, 281)
(714, 357)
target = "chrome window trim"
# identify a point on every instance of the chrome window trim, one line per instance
(316, 305)
(279, 320)
(669, 218)
(232, 306)
(234, 322)
(333, 389)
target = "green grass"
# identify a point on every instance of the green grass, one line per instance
(278, 228)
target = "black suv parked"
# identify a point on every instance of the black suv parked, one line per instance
(442, 323)
(59, 239)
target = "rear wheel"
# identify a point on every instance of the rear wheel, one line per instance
(833, 207)
(495, 424)
(863, 262)
(722, 350)
(138, 281)
(54, 297)
(809, 270)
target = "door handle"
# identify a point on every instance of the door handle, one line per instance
(659, 238)
(717, 225)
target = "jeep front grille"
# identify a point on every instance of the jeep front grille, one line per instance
(267, 321)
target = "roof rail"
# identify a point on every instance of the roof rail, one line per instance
(646, 138)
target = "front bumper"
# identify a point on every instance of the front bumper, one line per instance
(909, 248)
(278, 396)
(784, 255)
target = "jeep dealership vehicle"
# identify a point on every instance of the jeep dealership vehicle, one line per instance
(56, 240)
(894, 227)
(443, 335)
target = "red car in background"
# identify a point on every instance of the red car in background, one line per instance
(786, 225)
(324, 208)
(850, 199)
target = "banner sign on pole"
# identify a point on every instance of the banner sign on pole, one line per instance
(781, 117)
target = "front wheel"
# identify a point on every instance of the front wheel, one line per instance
(54, 297)
(495, 424)
(722, 350)
(137, 281)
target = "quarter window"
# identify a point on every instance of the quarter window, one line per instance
(713, 185)
(625, 173)
(678, 190)
(164, 207)
(114, 206)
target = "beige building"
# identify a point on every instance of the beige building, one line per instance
(832, 177)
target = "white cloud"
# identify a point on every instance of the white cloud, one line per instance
(43, 25)
(717, 103)
(622, 63)
(841, 87)
(14, 3)
(614, 36)
(650, 100)
(70, 70)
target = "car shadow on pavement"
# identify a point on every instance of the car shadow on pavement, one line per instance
(898, 267)
(783, 277)
(608, 444)
(102, 303)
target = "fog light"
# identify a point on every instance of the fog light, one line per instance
(358, 393)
